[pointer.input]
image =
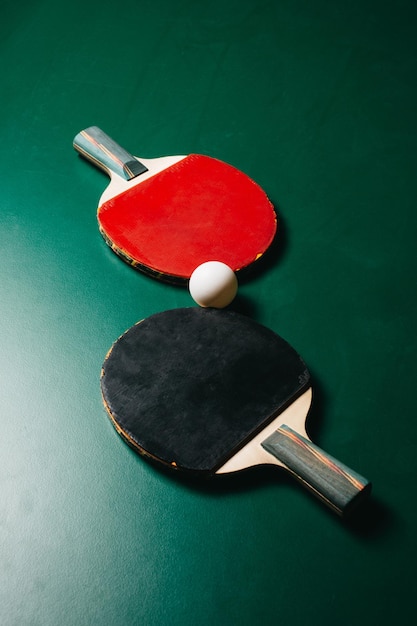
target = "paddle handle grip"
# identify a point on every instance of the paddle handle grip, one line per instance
(93, 144)
(333, 482)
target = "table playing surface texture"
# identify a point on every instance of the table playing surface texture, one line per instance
(314, 101)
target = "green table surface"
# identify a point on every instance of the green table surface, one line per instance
(316, 101)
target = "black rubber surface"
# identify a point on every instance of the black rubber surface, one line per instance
(191, 386)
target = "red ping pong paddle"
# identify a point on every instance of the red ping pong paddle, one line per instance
(210, 392)
(167, 216)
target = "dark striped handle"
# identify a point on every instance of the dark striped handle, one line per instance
(331, 481)
(104, 152)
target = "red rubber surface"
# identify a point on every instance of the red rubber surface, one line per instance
(198, 210)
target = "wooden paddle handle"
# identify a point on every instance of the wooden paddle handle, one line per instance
(331, 481)
(93, 144)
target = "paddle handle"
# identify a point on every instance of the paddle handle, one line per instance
(93, 144)
(335, 484)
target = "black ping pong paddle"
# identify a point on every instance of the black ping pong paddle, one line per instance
(211, 392)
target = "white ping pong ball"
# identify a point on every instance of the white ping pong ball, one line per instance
(213, 284)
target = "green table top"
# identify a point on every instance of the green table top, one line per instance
(317, 102)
